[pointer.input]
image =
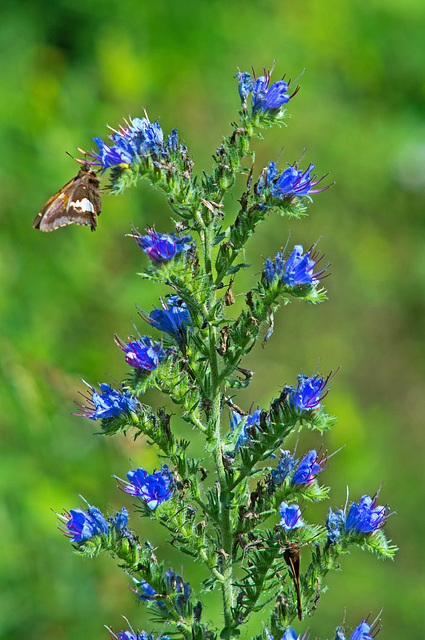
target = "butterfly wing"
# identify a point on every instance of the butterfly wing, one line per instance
(84, 203)
(78, 202)
(55, 207)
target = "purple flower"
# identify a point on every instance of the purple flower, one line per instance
(143, 353)
(291, 516)
(138, 139)
(83, 525)
(335, 524)
(284, 467)
(161, 247)
(251, 421)
(108, 403)
(297, 270)
(365, 517)
(173, 319)
(308, 468)
(154, 488)
(308, 393)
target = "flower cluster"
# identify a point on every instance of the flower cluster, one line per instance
(161, 247)
(296, 271)
(265, 96)
(292, 182)
(153, 488)
(143, 353)
(108, 403)
(138, 139)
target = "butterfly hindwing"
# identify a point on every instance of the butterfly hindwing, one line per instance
(78, 202)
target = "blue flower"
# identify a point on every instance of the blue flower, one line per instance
(137, 635)
(154, 488)
(297, 270)
(307, 469)
(265, 96)
(138, 139)
(143, 353)
(83, 525)
(251, 421)
(108, 403)
(144, 591)
(284, 467)
(290, 183)
(291, 516)
(335, 524)
(173, 319)
(290, 634)
(120, 521)
(308, 393)
(362, 632)
(161, 247)
(365, 517)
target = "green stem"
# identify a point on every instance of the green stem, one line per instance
(225, 528)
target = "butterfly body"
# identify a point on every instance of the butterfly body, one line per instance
(78, 202)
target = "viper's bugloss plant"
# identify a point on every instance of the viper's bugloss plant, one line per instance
(240, 504)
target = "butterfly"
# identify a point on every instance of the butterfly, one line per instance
(78, 202)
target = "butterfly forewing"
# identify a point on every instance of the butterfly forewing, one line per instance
(78, 202)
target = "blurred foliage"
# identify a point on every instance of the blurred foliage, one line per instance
(70, 67)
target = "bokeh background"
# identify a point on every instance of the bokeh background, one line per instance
(67, 69)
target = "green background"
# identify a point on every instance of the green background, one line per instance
(67, 68)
